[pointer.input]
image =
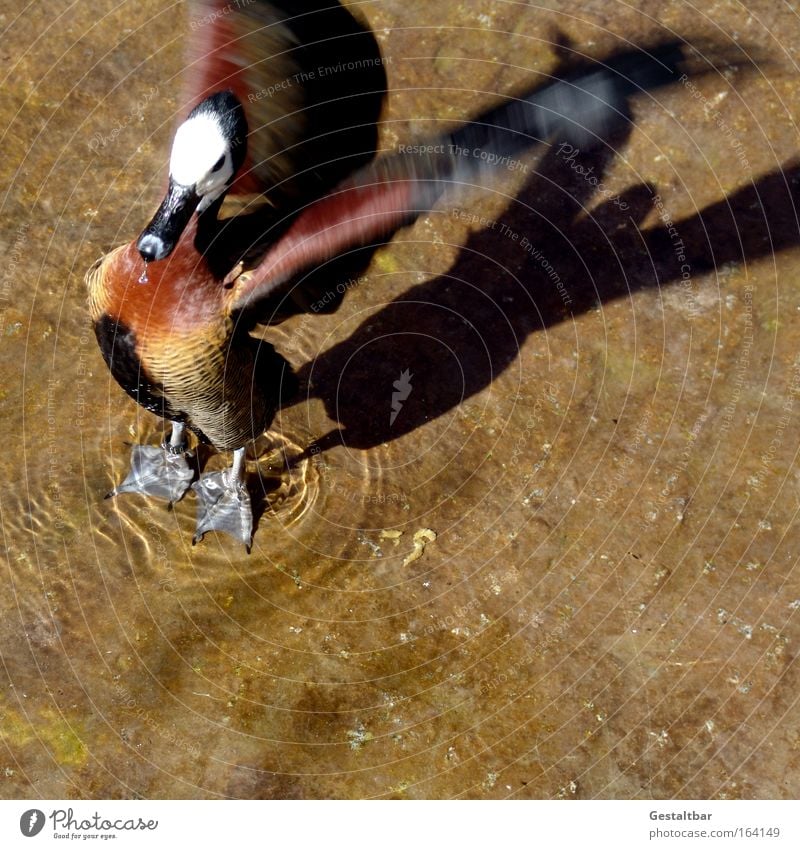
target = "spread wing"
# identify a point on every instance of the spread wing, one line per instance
(366, 208)
(308, 112)
(583, 108)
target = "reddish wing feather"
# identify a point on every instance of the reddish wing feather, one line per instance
(370, 206)
(248, 49)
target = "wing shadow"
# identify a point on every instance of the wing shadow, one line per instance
(457, 332)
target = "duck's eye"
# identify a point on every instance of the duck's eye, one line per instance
(219, 163)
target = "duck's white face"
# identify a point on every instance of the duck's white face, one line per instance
(201, 158)
(210, 146)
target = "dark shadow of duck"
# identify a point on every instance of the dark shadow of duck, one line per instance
(456, 333)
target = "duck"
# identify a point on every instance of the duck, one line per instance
(271, 117)
(173, 310)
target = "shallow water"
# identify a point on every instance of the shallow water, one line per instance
(567, 566)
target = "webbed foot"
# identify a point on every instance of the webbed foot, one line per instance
(156, 470)
(224, 503)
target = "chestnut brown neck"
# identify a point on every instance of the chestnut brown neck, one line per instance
(181, 293)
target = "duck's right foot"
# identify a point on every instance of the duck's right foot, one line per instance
(161, 471)
(224, 503)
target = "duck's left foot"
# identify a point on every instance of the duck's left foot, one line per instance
(224, 503)
(157, 470)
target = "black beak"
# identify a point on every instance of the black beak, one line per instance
(161, 235)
